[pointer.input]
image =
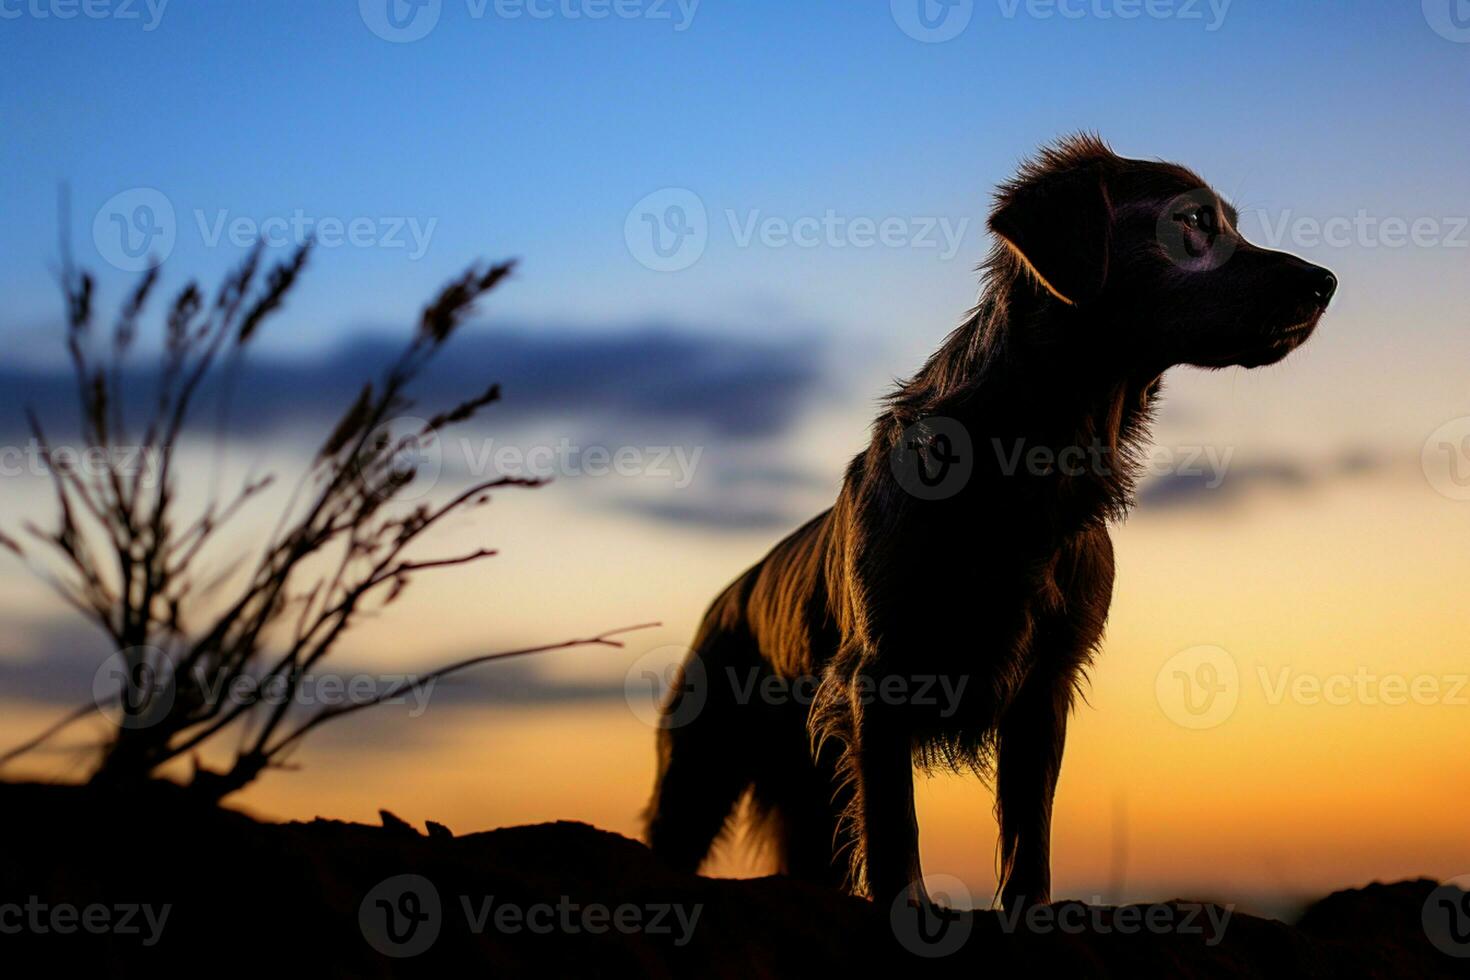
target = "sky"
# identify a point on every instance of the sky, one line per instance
(695, 193)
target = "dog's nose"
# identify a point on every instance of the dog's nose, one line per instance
(1323, 285)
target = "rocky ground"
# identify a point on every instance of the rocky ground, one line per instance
(156, 885)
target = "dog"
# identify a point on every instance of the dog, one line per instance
(968, 550)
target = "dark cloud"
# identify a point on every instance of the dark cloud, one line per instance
(55, 661)
(754, 497)
(734, 387)
(718, 514)
(1203, 486)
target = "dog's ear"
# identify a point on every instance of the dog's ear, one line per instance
(1060, 225)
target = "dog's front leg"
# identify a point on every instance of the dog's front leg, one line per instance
(1029, 759)
(888, 827)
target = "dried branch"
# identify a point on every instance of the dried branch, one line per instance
(122, 556)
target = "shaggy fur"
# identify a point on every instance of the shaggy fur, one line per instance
(979, 609)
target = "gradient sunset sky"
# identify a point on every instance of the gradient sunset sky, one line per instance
(1305, 532)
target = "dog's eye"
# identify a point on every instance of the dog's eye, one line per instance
(1200, 219)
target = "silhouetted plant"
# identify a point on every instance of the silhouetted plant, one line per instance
(123, 557)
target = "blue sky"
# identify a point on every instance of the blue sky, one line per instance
(535, 136)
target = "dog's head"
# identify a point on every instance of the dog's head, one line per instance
(1153, 255)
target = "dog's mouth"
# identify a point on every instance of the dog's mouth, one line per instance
(1274, 346)
(1296, 334)
(1299, 331)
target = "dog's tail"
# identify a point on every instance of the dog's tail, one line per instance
(706, 750)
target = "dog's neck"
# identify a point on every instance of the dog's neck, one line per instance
(1024, 378)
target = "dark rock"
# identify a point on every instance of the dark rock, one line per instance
(327, 898)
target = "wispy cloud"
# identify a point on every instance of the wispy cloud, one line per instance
(729, 386)
(1264, 474)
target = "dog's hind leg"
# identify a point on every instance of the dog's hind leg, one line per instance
(705, 752)
(798, 802)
